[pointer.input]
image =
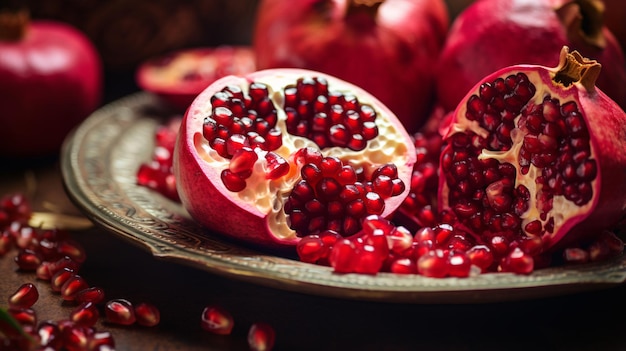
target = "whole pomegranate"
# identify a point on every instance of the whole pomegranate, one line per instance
(50, 80)
(536, 153)
(179, 76)
(389, 48)
(492, 34)
(279, 154)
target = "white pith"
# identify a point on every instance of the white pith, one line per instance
(268, 197)
(562, 209)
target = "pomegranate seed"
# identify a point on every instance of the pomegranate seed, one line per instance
(49, 335)
(147, 314)
(25, 296)
(459, 264)
(60, 277)
(403, 265)
(85, 314)
(261, 337)
(275, 166)
(120, 311)
(28, 260)
(72, 286)
(517, 262)
(575, 255)
(73, 250)
(217, 320)
(92, 294)
(243, 160)
(311, 248)
(343, 256)
(101, 341)
(24, 316)
(481, 256)
(76, 337)
(433, 264)
(233, 181)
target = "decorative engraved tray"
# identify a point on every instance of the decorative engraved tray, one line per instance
(99, 163)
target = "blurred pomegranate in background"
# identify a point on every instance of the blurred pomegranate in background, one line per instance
(50, 80)
(492, 34)
(387, 47)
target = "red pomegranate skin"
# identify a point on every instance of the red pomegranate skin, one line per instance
(492, 34)
(391, 55)
(50, 80)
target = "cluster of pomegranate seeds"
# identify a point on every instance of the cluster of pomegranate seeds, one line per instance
(335, 196)
(556, 142)
(157, 174)
(240, 119)
(55, 258)
(329, 118)
(419, 208)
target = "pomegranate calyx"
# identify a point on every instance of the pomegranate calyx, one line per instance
(13, 25)
(583, 20)
(574, 68)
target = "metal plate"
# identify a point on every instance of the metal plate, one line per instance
(99, 164)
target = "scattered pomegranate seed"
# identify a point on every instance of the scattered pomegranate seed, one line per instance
(93, 294)
(147, 314)
(120, 311)
(72, 286)
(85, 314)
(261, 337)
(25, 296)
(217, 320)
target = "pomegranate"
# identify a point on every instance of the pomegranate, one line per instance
(179, 76)
(526, 32)
(51, 78)
(386, 47)
(536, 156)
(283, 153)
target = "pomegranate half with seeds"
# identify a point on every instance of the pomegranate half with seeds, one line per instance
(279, 154)
(536, 152)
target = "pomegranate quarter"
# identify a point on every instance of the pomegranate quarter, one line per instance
(279, 154)
(536, 152)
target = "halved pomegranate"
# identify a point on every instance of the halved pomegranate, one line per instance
(282, 153)
(179, 76)
(536, 153)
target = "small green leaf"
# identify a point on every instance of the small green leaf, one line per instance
(10, 328)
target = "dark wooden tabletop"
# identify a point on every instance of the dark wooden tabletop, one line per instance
(583, 321)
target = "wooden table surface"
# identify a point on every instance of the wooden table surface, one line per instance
(583, 321)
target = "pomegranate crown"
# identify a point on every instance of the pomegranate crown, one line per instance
(574, 68)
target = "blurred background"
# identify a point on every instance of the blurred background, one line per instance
(128, 32)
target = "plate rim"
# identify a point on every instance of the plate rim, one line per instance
(384, 287)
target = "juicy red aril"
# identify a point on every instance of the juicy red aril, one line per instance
(85, 314)
(231, 120)
(72, 286)
(433, 264)
(120, 311)
(60, 277)
(92, 294)
(261, 337)
(101, 341)
(147, 314)
(76, 337)
(24, 316)
(555, 141)
(49, 335)
(517, 262)
(28, 260)
(216, 320)
(73, 250)
(25, 296)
